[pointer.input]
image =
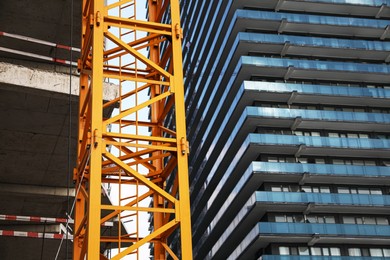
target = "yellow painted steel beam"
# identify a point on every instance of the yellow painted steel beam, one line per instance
(148, 238)
(140, 137)
(161, 147)
(136, 108)
(132, 150)
(156, 28)
(182, 158)
(124, 208)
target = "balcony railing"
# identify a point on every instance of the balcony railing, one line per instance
(323, 198)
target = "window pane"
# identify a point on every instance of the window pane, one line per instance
(349, 220)
(359, 220)
(325, 189)
(280, 219)
(302, 160)
(386, 252)
(320, 220)
(365, 252)
(315, 251)
(294, 251)
(376, 252)
(294, 188)
(369, 220)
(290, 160)
(354, 252)
(311, 219)
(357, 162)
(325, 251)
(376, 191)
(382, 221)
(363, 191)
(274, 188)
(320, 161)
(303, 250)
(335, 251)
(330, 219)
(284, 250)
(348, 162)
(343, 190)
(299, 219)
(371, 163)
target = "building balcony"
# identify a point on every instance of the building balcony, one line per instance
(291, 93)
(214, 138)
(312, 24)
(240, 158)
(317, 119)
(321, 146)
(322, 202)
(375, 8)
(290, 69)
(248, 42)
(305, 46)
(287, 69)
(266, 232)
(224, 227)
(239, 153)
(303, 257)
(209, 76)
(283, 45)
(228, 203)
(260, 172)
(297, 146)
(300, 69)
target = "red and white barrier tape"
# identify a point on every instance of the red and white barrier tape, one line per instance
(43, 219)
(13, 233)
(37, 56)
(34, 40)
(33, 219)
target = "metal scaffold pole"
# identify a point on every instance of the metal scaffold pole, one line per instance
(139, 153)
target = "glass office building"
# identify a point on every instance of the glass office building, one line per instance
(288, 114)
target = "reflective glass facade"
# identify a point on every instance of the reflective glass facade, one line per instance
(288, 115)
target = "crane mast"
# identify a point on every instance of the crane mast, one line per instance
(140, 152)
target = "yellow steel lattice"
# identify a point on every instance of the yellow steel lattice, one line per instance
(140, 151)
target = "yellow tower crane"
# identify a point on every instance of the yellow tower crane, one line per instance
(143, 158)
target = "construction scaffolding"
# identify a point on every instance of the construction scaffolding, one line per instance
(140, 152)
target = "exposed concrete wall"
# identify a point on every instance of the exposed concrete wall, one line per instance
(32, 190)
(12, 75)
